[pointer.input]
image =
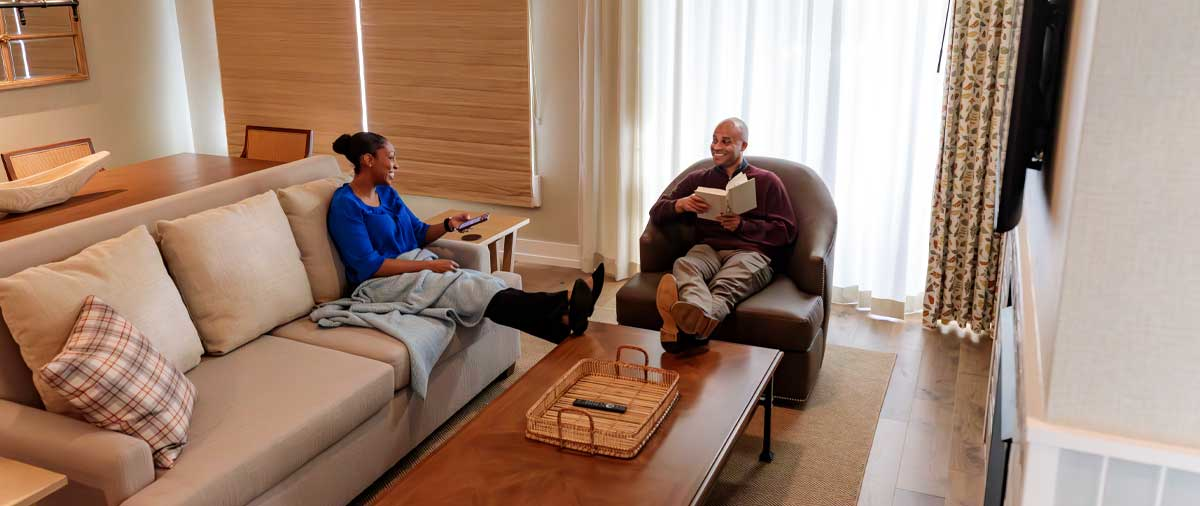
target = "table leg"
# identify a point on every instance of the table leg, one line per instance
(509, 250)
(492, 252)
(769, 399)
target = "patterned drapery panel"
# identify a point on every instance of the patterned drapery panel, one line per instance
(964, 249)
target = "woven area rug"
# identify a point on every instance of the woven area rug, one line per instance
(820, 451)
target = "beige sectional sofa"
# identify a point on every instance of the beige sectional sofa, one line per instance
(297, 415)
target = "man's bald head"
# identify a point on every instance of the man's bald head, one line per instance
(739, 125)
(729, 139)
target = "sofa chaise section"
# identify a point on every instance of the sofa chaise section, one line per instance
(261, 413)
(375, 345)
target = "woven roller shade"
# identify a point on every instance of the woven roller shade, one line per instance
(448, 83)
(289, 64)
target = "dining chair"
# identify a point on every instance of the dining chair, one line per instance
(277, 144)
(27, 162)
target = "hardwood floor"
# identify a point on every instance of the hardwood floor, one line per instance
(929, 443)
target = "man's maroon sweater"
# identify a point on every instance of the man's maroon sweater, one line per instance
(769, 229)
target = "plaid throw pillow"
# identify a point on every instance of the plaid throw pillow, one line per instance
(110, 372)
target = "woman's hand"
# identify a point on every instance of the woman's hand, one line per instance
(436, 230)
(442, 265)
(458, 219)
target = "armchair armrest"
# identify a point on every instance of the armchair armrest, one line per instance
(660, 245)
(811, 268)
(100, 465)
(811, 261)
(468, 256)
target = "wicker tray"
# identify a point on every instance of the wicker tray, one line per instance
(648, 392)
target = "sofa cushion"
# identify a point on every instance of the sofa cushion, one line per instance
(112, 374)
(238, 269)
(307, 208)
(41, 304)
(264, 411)
(364, 342)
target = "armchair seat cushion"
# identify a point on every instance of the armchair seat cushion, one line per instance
(635, 301)
(781, 316)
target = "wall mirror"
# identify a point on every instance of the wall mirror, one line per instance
(41, 43)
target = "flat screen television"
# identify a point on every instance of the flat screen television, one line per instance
(1037, 84)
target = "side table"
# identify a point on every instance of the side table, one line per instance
(489, 232)
(22, 484)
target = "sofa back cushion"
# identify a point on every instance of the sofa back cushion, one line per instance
(307, 208)
(238, 269)
(41, 304)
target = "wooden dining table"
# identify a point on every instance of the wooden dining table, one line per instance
(120, 187)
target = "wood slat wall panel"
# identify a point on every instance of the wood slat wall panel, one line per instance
(490, 111)
(448, 82)
(460, 183)
(291, 65)
(460, 96)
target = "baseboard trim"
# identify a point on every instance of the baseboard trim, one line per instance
(559, 254)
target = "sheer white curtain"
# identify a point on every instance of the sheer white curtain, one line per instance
(849, 88)
(610, 184)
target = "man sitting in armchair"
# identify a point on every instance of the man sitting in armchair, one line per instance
(733, 257)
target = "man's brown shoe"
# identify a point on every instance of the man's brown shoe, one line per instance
(691, 319)
(667, 296)
(686, 344)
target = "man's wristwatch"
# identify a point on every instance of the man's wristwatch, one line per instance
(446, 223)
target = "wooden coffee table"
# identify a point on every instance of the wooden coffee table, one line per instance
(490, 461)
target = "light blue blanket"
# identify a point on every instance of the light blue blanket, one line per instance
(421, 309)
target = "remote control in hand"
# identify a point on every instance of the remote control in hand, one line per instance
(602, 406)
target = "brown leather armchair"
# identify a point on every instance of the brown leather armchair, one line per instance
(791, 314)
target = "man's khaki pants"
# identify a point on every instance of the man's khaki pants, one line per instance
(717, 280)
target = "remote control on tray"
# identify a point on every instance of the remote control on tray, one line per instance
(602, 406)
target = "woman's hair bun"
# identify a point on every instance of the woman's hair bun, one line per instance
(342, 144)
(353, 147)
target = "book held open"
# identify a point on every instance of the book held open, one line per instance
(738, 197)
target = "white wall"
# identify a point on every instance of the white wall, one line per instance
(1047, 202)
(135, 104)
(1125, 348)
(202, 71)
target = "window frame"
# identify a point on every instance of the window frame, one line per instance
(8, 71)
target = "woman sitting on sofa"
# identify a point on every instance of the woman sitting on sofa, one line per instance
(371, 227)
